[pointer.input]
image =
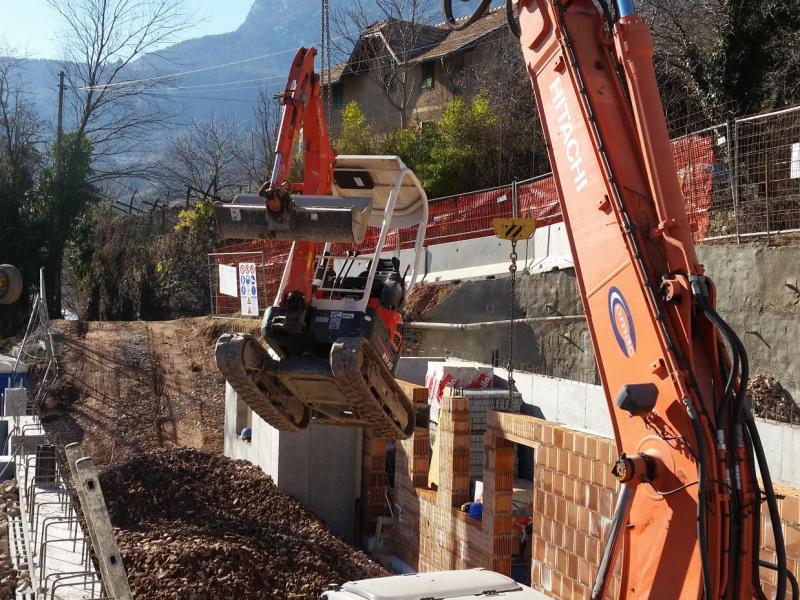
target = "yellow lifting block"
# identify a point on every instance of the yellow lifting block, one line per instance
(514, 230)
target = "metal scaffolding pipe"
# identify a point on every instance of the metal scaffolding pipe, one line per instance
(484, 324)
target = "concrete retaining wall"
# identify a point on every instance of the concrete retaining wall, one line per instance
(488, 256)
(758, 290)
(756, 293)
(320, 466)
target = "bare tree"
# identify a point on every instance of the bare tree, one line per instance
(384, 49)
(210, 155)
(102, 41)
(723, 55)
(20, 125)
(263, 137)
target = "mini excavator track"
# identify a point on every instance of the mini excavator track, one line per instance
(353, 388)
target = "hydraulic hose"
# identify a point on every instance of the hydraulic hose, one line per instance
(702, 537)
(789, 575)
(772, 503)
(756, 548)
(730, 337)
(458, 25)
(734, 425)
(741, 409)
(511, 18)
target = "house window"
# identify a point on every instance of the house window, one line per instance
(389, 73)
(428, 69)
(337, 95)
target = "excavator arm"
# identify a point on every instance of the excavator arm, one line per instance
(688, 515)
(301, 110)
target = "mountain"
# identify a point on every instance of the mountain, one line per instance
(272, 27)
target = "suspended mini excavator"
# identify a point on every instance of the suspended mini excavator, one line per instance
(332, 337)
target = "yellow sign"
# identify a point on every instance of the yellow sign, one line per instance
(514, 229)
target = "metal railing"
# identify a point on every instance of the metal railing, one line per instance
(37, 353)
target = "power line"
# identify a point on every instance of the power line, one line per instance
(129, 82)
(221, 86)
(224, 83)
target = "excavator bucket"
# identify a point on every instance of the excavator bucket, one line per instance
(352, 388)
(303, 218)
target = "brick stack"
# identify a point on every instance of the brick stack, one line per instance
(481, 403)
(373, 480)
(498, 499)
(573, 501)
(433, 533)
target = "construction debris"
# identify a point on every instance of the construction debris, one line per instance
(194, 525)
(768, 399)
(11, 579)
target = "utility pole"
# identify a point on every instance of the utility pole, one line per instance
(60, 130)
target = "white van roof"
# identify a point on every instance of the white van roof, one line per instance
(451, 585)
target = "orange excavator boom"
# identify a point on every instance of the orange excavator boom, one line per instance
(688, 514)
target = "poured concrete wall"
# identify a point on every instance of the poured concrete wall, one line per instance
(756, 293)
(757, 286)
(320, 466)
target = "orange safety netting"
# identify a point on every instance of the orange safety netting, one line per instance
(470, 215)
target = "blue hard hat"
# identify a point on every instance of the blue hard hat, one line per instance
(247, 432)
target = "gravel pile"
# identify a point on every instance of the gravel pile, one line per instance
(11, 579)
(769, 400)
(193, 525)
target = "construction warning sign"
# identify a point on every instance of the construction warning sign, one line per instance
(248, 289)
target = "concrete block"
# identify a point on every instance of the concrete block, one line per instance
(28, 443)
(16, 402)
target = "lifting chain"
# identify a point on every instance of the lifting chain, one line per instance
(513, 230)
(325, 58)
(512, 269)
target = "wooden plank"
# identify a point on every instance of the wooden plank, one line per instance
(101, 533)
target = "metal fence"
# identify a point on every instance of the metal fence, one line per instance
(226, 304)
(37, 353)
(766, 172)
(740, 182)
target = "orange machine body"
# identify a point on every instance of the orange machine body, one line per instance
(634, 257)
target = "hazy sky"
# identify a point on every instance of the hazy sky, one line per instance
(31, 27)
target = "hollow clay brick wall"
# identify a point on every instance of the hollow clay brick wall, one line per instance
(573, 500)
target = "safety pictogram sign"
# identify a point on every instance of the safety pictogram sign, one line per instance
(248, 289)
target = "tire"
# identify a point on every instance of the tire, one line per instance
(10, 284)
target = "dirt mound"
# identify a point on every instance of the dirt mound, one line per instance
(126, 387)
(425, 297)
(202, 526)
(769, 400)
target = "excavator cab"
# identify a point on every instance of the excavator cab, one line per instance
(330, 347)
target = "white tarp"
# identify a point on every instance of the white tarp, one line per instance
(227, 281)
(248, 289)
(795, 164)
